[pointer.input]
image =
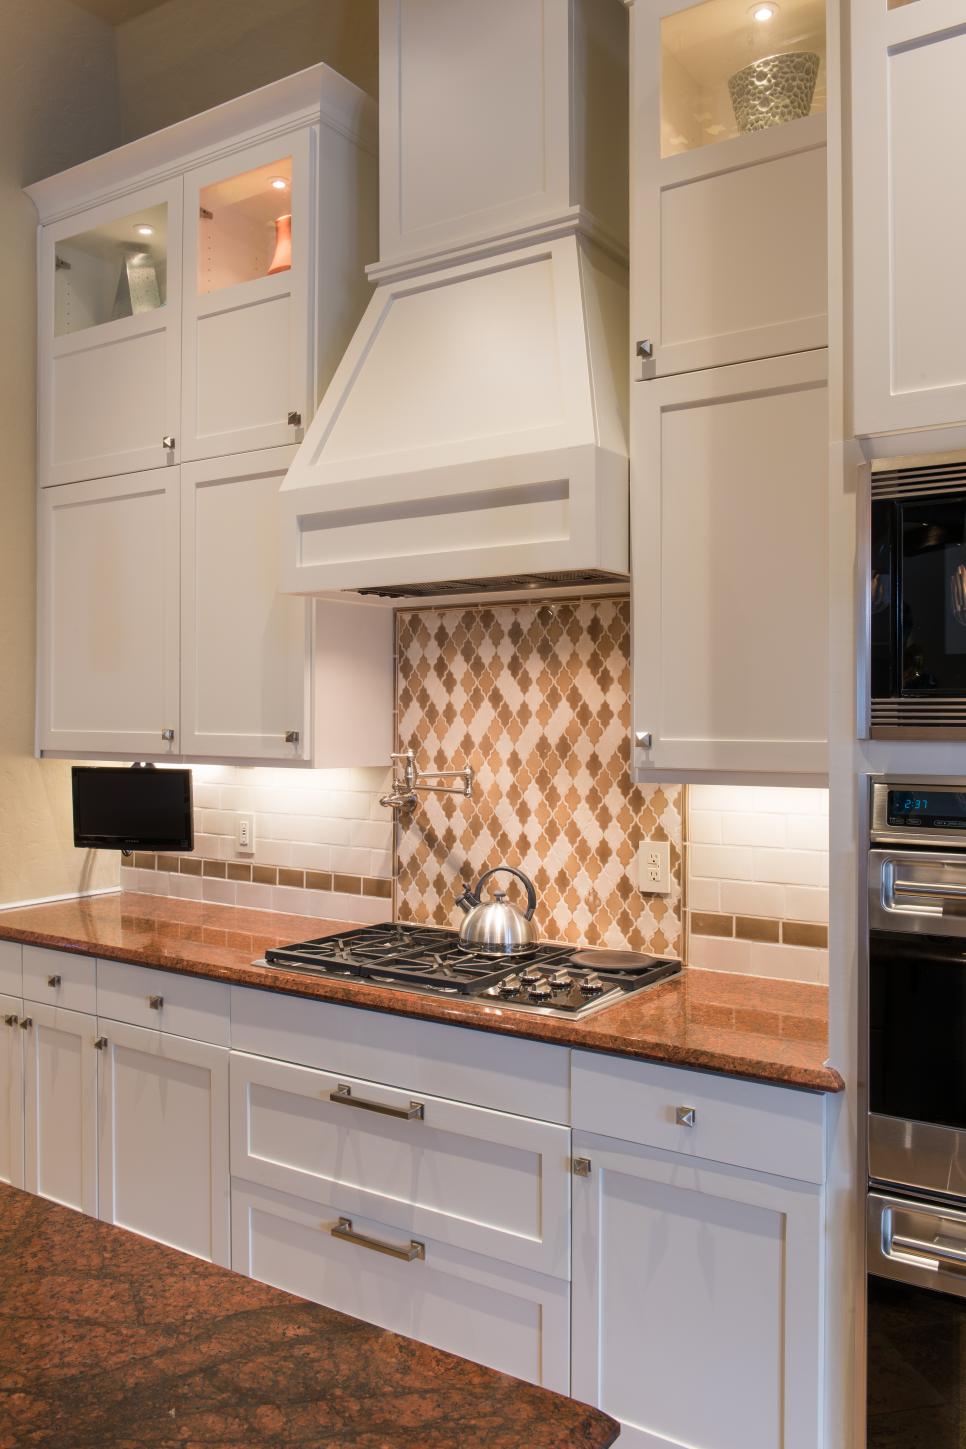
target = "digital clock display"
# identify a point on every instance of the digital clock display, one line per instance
(933, 809)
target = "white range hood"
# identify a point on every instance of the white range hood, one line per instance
(473, 438)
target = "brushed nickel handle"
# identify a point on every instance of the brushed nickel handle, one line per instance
(167, 735)
(100, 1042)
(643, 739)
(167, 442)
(685, 1116)
(947, 890)
(415, 1112)
(940, 1250)
(26, 1022)
(12, 1020)
(295, 420)
(155, 1002)
(346, 1233)
(292, 737)
(54, 980)
(581, 1166)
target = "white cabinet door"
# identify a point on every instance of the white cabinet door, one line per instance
(908, 216)
(728, 511)
(163, 1139)
(507, 1318)
(245, 653)
(60, 1105)
(109, 584)
(728, 231)
(697, 1301)
(248, 310)
(110, 337)
(11, 1091)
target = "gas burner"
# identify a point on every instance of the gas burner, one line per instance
(551, 980)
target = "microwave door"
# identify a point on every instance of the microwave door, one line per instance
(930, 598)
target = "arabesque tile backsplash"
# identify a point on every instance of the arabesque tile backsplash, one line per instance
(536, 697)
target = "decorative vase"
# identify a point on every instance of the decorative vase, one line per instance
(282, 259)
(773, 90)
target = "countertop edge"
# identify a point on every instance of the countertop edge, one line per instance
(825, 1079)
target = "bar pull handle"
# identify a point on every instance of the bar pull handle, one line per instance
(415, 1112)
(940, 1250)
(945, 890)
(346, 1233)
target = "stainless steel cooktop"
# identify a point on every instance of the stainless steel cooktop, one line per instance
(550, 980)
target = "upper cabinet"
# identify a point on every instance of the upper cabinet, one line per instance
(198, 287)
(728, 193)
(110, 337)
(908, 217)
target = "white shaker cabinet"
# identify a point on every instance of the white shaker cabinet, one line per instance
(245, 648)
(11, 1091)
(908, 117)
(163, 1138)
(60, 1104)
(248, 297)
(697, 1300)
(109, 609)
(728, 223)
(728, 519)
(110, 337)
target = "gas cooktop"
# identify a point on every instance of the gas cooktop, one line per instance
(549, 980)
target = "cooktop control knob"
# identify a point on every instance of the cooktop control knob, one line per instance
(530, 974)
(540, 991)
(561, 981)
(591, 986)
(510, 986)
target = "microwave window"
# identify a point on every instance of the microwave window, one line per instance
(932, 598)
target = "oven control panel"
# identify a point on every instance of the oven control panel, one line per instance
(924, 812)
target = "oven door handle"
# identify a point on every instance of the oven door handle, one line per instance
(938, 1250)
(945, 890)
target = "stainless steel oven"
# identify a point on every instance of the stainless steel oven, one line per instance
(917, 598)
(917, 1116)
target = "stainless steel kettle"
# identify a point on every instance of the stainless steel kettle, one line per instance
(496, 927)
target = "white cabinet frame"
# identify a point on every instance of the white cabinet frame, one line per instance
(50, 1100)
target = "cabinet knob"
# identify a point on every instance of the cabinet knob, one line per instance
(685, 1116)
(12, 1020)
(581, 1166)
(643, 739)
(167, 442)
(292, 737)
(54, 980)
(155, 1002)
(26, 1022)
(167, 735)
(100, 1042)
(295, 420)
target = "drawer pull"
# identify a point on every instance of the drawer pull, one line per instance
(155, 1002)
(685, 1116)
(54, 980)
(344, 1231)
(415, 1112)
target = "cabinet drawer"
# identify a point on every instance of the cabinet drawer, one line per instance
(506, 1318)
(59, 978)
(747, 1124)
(183, 1005)
(476, 1179)
(11, 968)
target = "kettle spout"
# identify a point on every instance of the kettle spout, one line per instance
(467, 901)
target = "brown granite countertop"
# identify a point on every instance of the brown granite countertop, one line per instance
(109, 1341)
(747, 1026)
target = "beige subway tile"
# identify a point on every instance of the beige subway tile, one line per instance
(265, 874)
(318, 880)
(168, 862)
(804, 933)
(756, 928)
(347, 884)
(707, 923)
(190, 865)
(238, 870)
(374, 886)
(292, 878)
(214, 869)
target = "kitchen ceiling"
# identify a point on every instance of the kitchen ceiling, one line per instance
(115, 12)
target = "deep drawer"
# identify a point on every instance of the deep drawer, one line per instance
(163, 1001)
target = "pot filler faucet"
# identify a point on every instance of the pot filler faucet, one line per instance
(403, 795)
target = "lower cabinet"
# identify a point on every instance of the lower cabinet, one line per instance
(60, 1104)
(163, 1139)
(696, 1300)
(496, 1314)
(11, 1091)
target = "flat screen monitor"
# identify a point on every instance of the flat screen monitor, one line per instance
(132, 809)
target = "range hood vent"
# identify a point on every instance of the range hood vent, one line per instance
(473, 439)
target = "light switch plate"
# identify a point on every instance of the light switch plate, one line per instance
(654, 868)
(245, 834)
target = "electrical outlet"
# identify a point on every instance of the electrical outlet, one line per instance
(245, 834)
(654, 868)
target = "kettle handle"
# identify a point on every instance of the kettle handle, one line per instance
(512, 870)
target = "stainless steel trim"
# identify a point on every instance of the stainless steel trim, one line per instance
(937, 718)
(344, 1230)
(415, 1112)
(910, 892)
(685, 1116)
(919, 1243)
(882, 833)
(919, 1156)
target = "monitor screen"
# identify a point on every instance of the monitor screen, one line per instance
(132, 809)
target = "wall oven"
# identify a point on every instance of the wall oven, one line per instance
(916, 1207)
(917, 598)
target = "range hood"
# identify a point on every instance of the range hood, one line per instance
(473, 439)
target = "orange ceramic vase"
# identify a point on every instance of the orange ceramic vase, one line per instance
(282, 259)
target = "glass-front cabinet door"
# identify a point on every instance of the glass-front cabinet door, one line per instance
(728, 181)
(110, 337)
(248, 339)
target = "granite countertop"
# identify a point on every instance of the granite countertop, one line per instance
(110, 1341)
(747, 1026)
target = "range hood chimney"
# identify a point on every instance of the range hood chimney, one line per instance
(473, 439)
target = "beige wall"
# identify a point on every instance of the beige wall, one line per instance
(188, 55)
(58, 105)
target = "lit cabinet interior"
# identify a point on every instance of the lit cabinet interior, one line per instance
(245, 227)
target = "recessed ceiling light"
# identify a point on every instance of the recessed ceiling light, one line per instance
(144, 230)
(761, 13)
(278, 183)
